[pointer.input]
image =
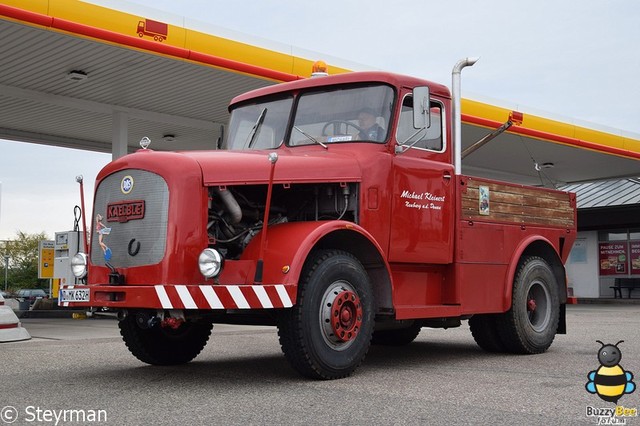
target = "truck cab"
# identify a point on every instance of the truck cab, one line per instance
(334, 211)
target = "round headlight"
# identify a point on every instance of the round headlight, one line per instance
(79, 265)
(210, 263)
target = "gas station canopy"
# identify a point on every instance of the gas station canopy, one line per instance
(82, 76)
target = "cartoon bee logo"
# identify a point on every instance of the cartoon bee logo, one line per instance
(610, 381)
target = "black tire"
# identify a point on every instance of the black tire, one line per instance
(333, 285)
(164, 346)
(399, 337)
(530, 326)
(484, 330)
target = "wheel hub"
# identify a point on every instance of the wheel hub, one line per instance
(538, 306)
(531, 305)
(341, 315)
(346, 316)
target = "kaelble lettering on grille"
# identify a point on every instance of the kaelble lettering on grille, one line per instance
(124, 211)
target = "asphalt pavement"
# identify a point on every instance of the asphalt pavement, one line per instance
(82, 367)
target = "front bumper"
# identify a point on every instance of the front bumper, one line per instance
(205, 297)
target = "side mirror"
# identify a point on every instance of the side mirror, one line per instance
(220, 138)
(421, 108)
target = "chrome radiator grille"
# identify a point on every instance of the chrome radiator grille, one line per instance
(130, 219)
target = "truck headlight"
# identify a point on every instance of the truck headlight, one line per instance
(79, 265)
(210, 263)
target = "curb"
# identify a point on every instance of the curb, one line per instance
(601, 301)
(58, 313)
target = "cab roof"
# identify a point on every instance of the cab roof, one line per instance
(396, 80)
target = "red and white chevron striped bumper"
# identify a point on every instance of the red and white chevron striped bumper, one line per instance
(209, 297)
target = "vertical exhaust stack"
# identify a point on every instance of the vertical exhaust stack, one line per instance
(457, 119)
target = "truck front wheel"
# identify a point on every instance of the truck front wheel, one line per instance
(327, 334)
(157, 345)
(530, 325)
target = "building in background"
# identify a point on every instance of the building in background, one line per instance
(608, 243)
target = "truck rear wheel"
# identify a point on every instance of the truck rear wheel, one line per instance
(484, 330)
(530, 325)
(164, 346)
(399, 337)
(327, 334)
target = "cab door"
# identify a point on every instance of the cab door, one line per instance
(422, 211)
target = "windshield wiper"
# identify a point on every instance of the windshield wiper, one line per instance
(254, 130)
(311, 137)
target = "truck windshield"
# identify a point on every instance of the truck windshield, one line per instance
(342, 115)
(258, 126)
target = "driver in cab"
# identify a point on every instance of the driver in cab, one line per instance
(370, 130)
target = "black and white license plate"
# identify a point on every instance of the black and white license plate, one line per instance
(74, 295)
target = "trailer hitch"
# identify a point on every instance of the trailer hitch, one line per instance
(115, 278)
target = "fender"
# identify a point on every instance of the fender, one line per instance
(289, 245)
(513, 265)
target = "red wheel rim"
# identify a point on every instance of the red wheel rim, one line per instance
(346, 316)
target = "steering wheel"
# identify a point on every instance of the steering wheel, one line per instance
(336, 126)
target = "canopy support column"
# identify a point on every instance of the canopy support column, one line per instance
(119, 134)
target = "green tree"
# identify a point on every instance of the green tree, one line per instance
(23, 261)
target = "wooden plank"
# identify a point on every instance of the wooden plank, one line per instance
(519, 218)
(519, 199)
(558, 207)
(516, 189)
(559, 213)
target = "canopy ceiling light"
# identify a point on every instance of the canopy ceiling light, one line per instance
(76, 75)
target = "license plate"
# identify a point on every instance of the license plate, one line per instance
(74, 295)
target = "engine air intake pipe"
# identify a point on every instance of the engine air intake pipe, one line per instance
(232, 205)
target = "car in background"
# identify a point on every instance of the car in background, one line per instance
(6, 294)
(31, 294)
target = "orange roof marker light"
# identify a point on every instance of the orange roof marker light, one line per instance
(319, 69)
(516, 117)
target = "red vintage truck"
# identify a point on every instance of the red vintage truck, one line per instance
(337, 211)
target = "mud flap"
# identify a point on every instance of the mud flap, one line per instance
(562, 321)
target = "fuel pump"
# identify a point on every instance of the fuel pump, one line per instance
(66, 245)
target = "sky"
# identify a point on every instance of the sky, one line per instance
(573, 60)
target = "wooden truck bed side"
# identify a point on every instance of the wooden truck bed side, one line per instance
(511, 203)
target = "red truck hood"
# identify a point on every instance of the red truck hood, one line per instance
(249, 167)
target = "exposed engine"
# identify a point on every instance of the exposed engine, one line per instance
(236, 213)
